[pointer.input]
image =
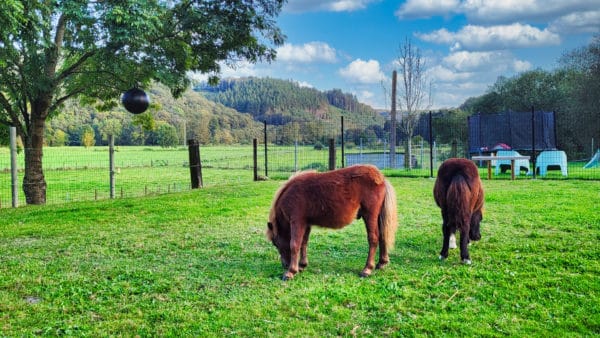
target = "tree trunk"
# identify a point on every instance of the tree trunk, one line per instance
(409, 153)
(34, 183)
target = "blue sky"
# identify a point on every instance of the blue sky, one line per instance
(466, 44)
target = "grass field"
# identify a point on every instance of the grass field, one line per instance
(196, 263)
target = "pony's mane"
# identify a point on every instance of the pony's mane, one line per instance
(278, 193)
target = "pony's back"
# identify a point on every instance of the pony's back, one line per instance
(458, 190)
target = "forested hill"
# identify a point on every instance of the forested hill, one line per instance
(207, 115)
(281, 101)
(168, 122)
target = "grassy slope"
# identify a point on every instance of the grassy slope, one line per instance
(197, 263)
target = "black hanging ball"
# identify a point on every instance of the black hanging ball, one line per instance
(135, 100)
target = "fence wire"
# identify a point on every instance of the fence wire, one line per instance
(82, 174)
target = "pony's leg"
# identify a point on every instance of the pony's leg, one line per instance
(373, 238)
(296, 238)
(384, 257)
(452, 244)
(464, 246)
(446, 232)
(303, 255)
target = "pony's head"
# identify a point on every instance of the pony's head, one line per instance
(476, 218)
(280, 241)
(278, 233)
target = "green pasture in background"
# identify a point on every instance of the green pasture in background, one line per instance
(197, 263)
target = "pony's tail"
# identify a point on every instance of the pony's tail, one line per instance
(458, 202)
(388, 217)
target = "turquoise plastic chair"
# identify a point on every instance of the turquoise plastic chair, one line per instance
(518, 163)
(551, 158)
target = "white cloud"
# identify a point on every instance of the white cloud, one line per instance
(464, 61)
(500, 11)
(304, 84)
(309, 52)
(578, 22)
(496, 11)
(463, 74)
(228, 70)
(239, 69)
(469, 61)
(521, 66)
(504, 11)
(359, 71)
(427, 8)
(299, 6)
(501, 37)
(440, 73)
(365, 95)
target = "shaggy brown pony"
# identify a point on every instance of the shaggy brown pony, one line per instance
(333, 199)
(459, 193)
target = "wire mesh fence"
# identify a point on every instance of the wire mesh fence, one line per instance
(80, 173)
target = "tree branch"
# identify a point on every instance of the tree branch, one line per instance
(75, 66)
(62, 99)
(54, 51)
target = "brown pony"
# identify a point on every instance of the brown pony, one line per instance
(459, 193)
(332, 199)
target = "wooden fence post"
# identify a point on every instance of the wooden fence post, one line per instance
(331, 154)
(195, 163)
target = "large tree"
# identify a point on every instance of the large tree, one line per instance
(53, 50)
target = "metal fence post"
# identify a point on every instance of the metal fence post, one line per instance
(393, 123)
(343, 142)
(430, 145)
(13, 167)
(266, 162)
(255, 158)
(111, 164)
(533, 139)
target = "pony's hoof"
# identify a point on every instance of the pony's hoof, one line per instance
(466, 261)
(381, 265)
(442, 258)
(365, 273)
(287, 276)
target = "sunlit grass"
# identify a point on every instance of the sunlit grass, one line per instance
(197, 263)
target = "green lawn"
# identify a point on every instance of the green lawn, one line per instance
(196, 263)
